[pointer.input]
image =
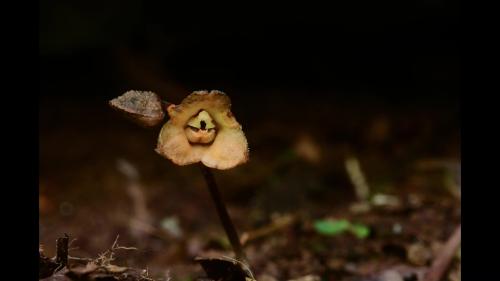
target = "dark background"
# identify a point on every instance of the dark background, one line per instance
(357, 49)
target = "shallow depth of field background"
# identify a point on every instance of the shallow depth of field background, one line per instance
(374, 81)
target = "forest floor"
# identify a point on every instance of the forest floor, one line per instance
(341, 192)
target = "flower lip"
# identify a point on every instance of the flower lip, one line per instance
(202, 121)
(203, 129)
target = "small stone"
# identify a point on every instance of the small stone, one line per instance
(266, 277)
(307, 278)
(390, 275)
(397, 228)
(360, 207)
(418, 254)
(336, 263)
(386, 200)
(350, 267)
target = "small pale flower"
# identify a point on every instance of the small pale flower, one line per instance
(203, 129)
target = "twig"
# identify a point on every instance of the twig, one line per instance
(72, 241)
(79, 259)
(441, 263)
(108, 256)
(145, 275)
(358, 179)
(275, 225)
(243, 265)
(141, 215)
(62, 251)
(222, 211)
(116, 247)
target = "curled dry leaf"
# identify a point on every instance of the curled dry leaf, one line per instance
(46, 267)
(203, 129)
(144, 108)
(225, 269)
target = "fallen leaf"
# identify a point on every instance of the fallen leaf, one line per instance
(331, 227)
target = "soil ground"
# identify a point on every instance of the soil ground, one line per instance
(408, 154)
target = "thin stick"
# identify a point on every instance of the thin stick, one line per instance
(222, 211)
(276, 225)
(62, 251)
(441, 263)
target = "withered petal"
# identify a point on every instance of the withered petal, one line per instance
(229, 149)
(173, 144)
(142, 107)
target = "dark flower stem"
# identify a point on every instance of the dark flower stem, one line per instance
(222, 212)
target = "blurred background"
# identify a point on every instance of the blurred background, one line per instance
(316, 90)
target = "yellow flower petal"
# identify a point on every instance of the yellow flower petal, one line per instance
(174, 145)
(228, 149)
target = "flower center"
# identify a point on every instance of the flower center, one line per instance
(201, 128)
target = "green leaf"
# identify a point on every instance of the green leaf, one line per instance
(331, 227)
(361, 231)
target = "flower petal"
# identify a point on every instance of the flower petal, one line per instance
(229, 149)
(213, 102)
(173, 144)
